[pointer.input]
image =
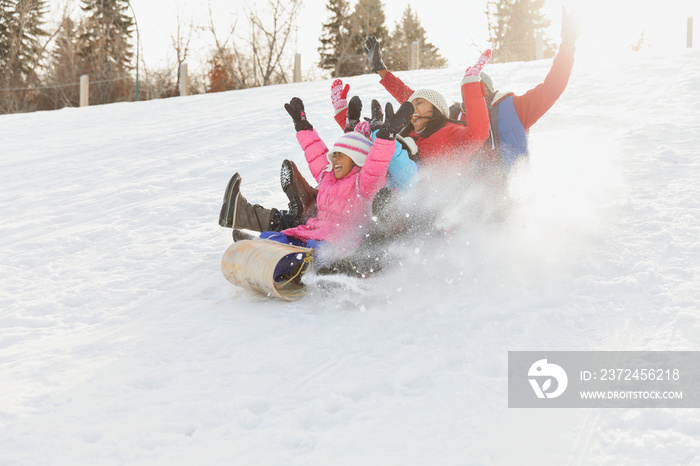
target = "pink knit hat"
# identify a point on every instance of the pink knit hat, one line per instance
(352, 144)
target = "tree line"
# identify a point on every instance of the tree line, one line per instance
(343, 37)
(40, 68)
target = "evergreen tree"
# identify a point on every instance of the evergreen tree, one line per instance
(6, 9)
(367, 19)
(513, 26)
(21, 51)
(343, 39)
(334, 39)
(407, 31)
(66, 65)
(105, 49)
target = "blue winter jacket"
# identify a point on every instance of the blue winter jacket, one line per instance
(509, 135)
(402, 170)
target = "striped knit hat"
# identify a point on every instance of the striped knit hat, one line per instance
(352, 144)
(434, 97)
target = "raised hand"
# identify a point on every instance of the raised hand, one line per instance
(374, 54)
(475, 69)
(570, 27)
(339, 95)
(295, 108)
(395, 122)
(354, 113)
(377, 115)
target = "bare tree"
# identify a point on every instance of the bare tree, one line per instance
(261, 62)
(157, 83)
(268, 39)
(223, 58)
(181, 42)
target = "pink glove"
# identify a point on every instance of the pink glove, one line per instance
(479, 65)
(339, 95)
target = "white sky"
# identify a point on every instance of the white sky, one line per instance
(453, 26)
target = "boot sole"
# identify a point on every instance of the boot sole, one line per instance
(239, 235)
(226, 220)
(286, 174)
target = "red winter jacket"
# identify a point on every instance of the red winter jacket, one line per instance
(452, 139)
(537, 101)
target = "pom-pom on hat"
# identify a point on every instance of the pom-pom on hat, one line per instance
(352, 144)
(434, 97)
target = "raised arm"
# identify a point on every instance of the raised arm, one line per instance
(532, 105)
(391, 83)
(373, 174)
(476, 112)
(347, 115)
(314, 148)
(339, 99)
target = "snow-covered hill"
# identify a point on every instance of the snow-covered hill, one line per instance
(121, 342)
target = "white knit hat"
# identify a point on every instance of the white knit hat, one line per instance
(352, 144)
(434, 97)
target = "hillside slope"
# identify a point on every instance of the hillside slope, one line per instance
(121, 343)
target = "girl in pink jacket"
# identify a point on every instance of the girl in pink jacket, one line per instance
(349, 175)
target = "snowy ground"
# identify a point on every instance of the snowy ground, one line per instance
(121, 342)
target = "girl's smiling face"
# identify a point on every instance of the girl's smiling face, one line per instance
(341, 164)
(423, 113)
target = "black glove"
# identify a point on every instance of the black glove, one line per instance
(354, 112)
(394, 123)
(374, 55)
(377, 116)
(295, 108)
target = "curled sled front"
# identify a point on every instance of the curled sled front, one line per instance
(272, 268)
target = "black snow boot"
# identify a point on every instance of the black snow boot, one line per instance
(252, 216)
(361, 267)
(232, 189)
(239, 235)
(238, 213)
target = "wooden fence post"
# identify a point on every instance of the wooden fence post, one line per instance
(690, 32)
(84, 90)
(184, 83)
(297, 68)
(414, 62)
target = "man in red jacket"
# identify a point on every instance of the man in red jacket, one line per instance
(511, 116)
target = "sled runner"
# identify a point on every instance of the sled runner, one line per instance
(269, 267)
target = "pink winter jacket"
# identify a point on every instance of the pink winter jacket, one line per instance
(344, 205)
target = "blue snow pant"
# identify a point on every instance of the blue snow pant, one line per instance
(289, 262)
